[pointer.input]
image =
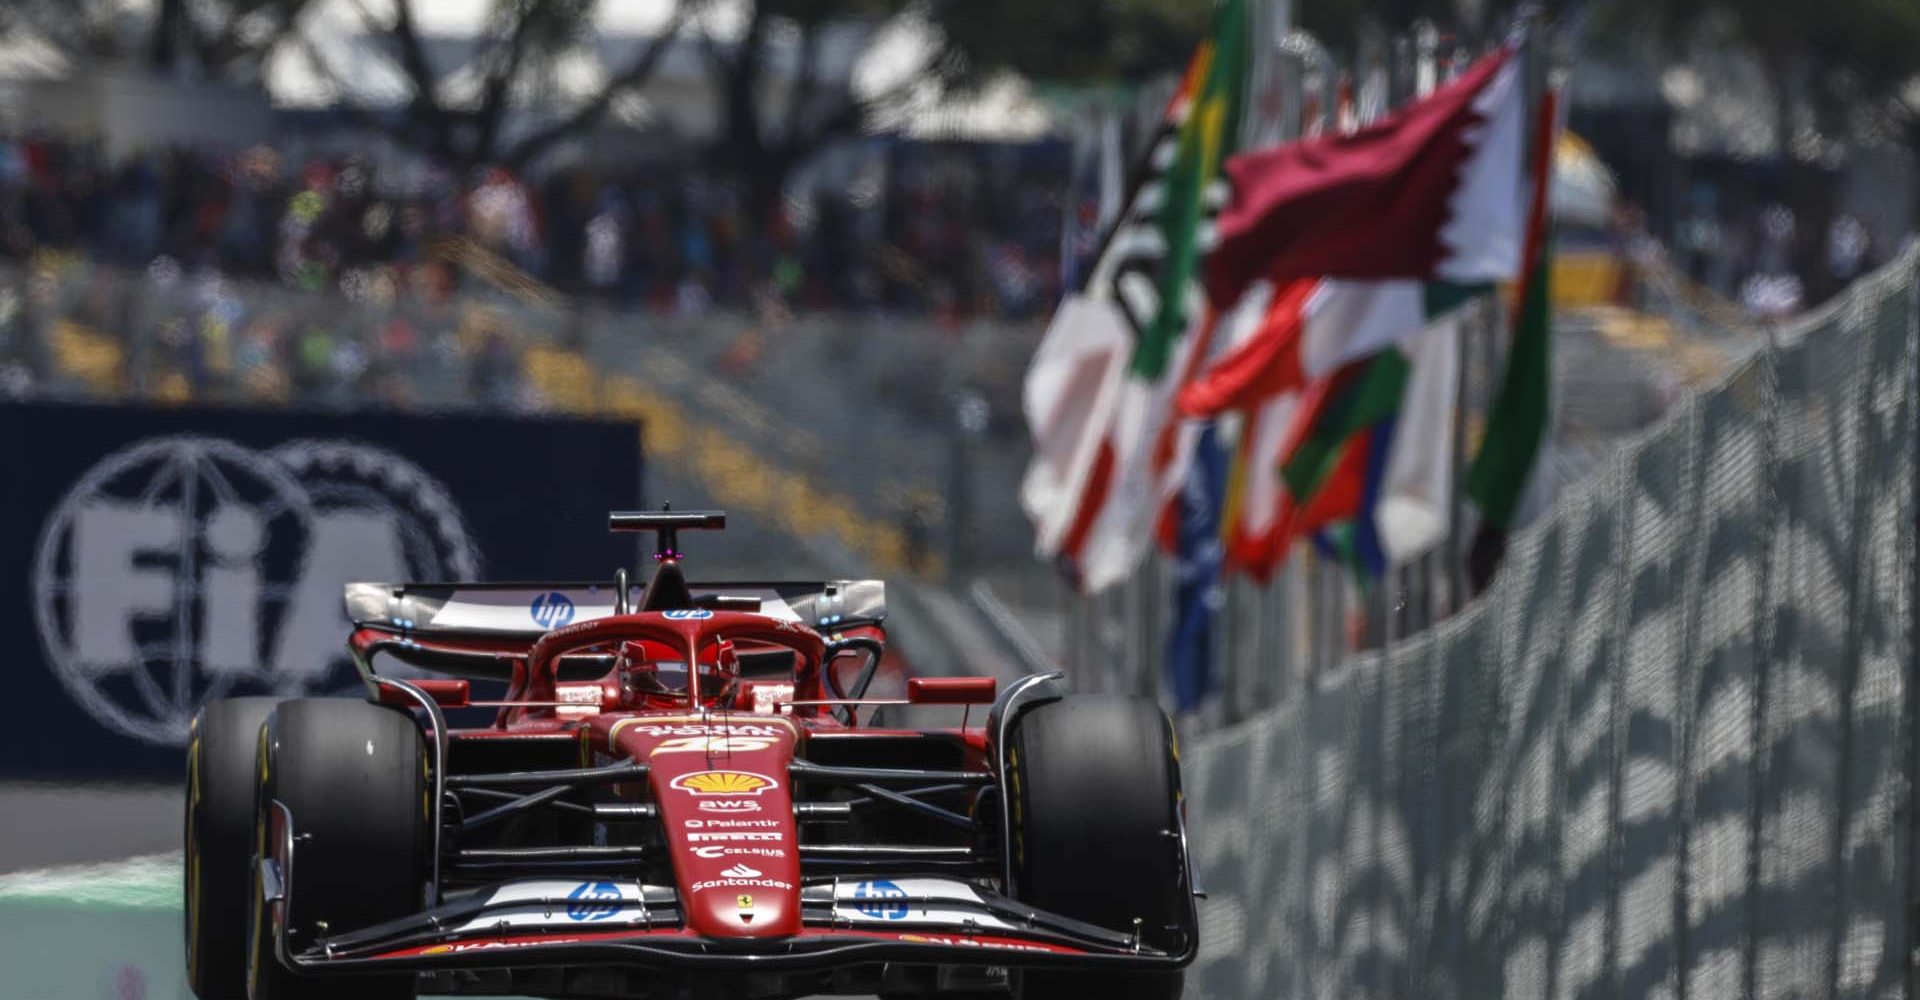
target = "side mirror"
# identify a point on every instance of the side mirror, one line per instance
(951, 690)
(857, 689)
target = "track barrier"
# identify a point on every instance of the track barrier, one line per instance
(1669, 754)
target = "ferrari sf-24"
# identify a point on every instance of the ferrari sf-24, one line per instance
(682, 790)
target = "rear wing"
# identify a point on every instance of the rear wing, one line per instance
(530, 610)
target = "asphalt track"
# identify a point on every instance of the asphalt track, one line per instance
(101, 931)
(50, 825)
(90, 887)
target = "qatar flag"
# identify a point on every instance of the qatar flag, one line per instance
(1433, 191)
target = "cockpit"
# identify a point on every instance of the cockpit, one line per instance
(755, 647)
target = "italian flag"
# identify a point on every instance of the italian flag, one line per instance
(1109, 449)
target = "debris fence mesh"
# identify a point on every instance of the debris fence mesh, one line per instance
(1668, 754)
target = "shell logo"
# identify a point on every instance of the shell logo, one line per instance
(722, 783)
(438, 949)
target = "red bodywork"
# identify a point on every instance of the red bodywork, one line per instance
(691, 790)
(717, 766)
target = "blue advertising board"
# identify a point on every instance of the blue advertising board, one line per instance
(153, 558)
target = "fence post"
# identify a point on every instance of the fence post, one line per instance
(1911, 549)
(1759, 768)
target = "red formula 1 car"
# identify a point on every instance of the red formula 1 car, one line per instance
(683, 793)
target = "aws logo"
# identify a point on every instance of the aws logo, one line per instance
(723, 783)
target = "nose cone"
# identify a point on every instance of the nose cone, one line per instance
(745, 901)
(727, 811)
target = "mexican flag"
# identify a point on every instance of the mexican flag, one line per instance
(1109, 450)
(1518, 422)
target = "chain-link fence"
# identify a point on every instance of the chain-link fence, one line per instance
(1669, 754)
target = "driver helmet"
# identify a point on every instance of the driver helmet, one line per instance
(644, 672)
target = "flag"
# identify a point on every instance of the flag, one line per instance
(1433, 190)
(1412, 508)
(1325, 471)
(1196, 587)
(1109, 450)
(1518, 421)
(1365, 434)
(1312, 328)
(1094, 197)
(1363, 244)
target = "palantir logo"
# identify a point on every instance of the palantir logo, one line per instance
(552, 610)
(185, 568)
(594, 901)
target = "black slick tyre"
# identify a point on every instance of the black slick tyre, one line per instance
(352, 775)
(218, 843)
(1094, 788)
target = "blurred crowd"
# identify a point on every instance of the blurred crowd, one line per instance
(936, 235)
(1767, 258)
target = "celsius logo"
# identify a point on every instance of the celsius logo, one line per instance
(552, 610)
(186, 568)
(594, 901)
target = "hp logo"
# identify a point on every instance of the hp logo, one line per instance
(593, 901)
(880, 900)
(552, 610)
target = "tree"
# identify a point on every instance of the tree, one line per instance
(518, 40)
(1838, 60)
(461, 125)
(216, 39)
(223, 40)
(769, 126)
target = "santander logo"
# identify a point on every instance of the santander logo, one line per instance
(740, 871)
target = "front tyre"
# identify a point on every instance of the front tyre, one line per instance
(1094, 792)
(219, 843)
(353, 778)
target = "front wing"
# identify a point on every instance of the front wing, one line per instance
(533, 922)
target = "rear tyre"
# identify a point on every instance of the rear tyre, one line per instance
(218, 841)
(353, 777)
(1094, 789)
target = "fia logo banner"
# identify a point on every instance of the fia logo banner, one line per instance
(186, 568)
